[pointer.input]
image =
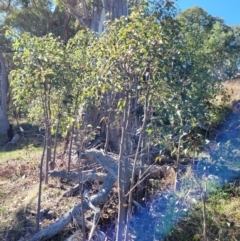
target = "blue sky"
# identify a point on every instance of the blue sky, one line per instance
(229, 10)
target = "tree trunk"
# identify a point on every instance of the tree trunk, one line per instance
(122, 210)
(93, 15)
(40, 188)
(112, 8)
(141, 169)
(66, 27)
(48, 146)
(4, 124)
(70, 148)
(143, 144)
(56, 137)
(49, 149)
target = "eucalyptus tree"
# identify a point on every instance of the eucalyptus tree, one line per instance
(132, 58)
(93, 14)
(38, 81)
(5, 46)
(40, 18)
(4, 124)
(215, 36)
(36, 17)
(207, 51)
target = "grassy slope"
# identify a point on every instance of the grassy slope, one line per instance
(223, 205)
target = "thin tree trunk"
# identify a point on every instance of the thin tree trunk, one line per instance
(40, 187)
(143, 144)
(4, 124)
(49, 146)
(141, 135)
(47, 114)
(48, 152)
(121, 174)
(55, 139)
(48, 137)
(204, 194)
(80, 180)
(107, 135)
(94, 15)
(66, 27)
(127, 151)
(70, 147)
(72, 131)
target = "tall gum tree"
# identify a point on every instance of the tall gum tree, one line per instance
(4, 123)
(93, 14)
(4, 84)
(131, 49)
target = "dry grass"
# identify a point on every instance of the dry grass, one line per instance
(19, 194)
(223, 221)
(19, 184)
(233, 89)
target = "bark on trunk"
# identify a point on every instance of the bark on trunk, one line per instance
(4, 124)
(66, 27)
(93, 16)
(56, 137)
(122, 175)
(40, 188)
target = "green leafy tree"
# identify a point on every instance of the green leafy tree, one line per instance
(35, 81)
(215, 36)
(132, 59)
(146, 60)
(36, 17)
(40, 18)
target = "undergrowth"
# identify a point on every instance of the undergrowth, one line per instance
(223, 219)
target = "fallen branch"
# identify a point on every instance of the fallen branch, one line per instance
(55, 228)
(109, 164)
(71, 191)
(95, 218)
(106, 161)
(14, 140)
(75, 176)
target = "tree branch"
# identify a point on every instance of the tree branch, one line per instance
(75, 176)
(55, 228)
(82, 19)
(7, 7)
(106, 161)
